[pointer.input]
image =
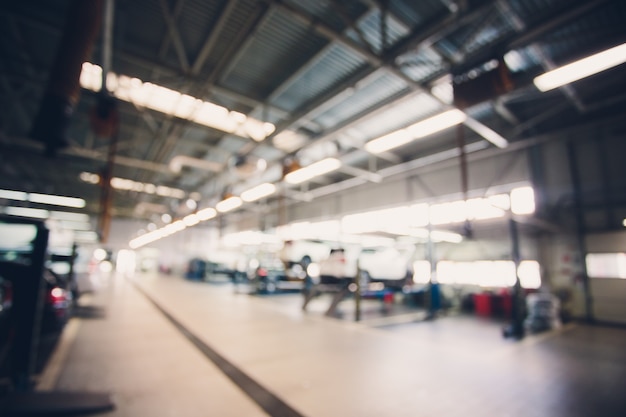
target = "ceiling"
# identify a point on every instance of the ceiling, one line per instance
(328, 76)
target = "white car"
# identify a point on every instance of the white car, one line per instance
(391, 266)
(303, 252)
(341, 266)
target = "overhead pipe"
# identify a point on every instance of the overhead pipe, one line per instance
(178, 162)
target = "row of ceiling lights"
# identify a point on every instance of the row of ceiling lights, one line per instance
(180, 105)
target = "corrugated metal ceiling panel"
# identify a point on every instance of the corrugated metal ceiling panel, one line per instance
(280, 46)
(371, 28)
(331, 67)
(410, 110)
(381, 86)
(417, 13)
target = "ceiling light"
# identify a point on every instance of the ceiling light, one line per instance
(27, 212)
(191, 220)
(228, 204)
(258, 192)
(13, 195)
(171, 102)
(206, 213)
(66, 215)
(311, 171)
(624, 222)
(86, 236)
(72, 225)
(418, 130)
(582, 68)
(56, 200)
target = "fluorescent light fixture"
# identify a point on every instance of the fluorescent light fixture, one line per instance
(314, 170)
(178, 226)
(13, 195)
(86, 236)
(191, 220)
(582, 68)
(416, 131)
(66, 215)
(72, 225)
(27, 212)
(442, 236)
(206, 213)
(56, 200)
(172, 102)
(228, 204)
(258, 192)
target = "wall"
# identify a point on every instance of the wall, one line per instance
(609, 294)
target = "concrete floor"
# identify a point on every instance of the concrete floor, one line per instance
(255, 356)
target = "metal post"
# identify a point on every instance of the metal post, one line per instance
(429, 301)
(580, 227)
(517, 320)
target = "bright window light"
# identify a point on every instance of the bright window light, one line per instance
(606, 265)
(624, 222)
(523, 200)
(529, 274)
(582, 68)
(13, 195)
(314, 170)
(497, 274)
(418, 130)
(206, 213)
(56, 200)
(228, 204)
(258, 192)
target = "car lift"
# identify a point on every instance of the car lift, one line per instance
(343, 290)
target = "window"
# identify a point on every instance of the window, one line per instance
(495, 274)
(606, 265)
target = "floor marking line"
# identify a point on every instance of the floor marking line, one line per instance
(267, 400)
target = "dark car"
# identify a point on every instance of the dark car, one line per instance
(57, 304)
(269, 275)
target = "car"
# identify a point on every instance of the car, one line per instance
(58, 302)
(303, 252)
(388, 265)
(339, 268)
(267, 274)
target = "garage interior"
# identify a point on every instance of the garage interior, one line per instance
(163, 154)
